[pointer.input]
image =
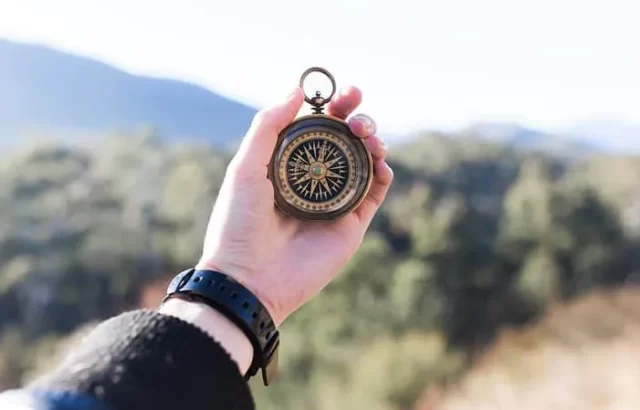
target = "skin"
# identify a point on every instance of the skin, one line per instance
(284, 262)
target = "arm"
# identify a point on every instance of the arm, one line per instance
(184, 356)
(187, 355)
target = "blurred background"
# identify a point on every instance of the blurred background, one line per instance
(502, 272)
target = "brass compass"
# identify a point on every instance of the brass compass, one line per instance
(319, 169)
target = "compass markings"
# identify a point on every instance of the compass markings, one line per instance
(317, 171)
(332, 174)
(336, 185)
(304, 178)
(325, 185)
(310, 158)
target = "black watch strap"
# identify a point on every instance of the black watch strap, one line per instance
(239, 305)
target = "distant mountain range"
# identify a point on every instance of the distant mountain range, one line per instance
(47, 91)
(581, 139)
(609, 134)
(43, 89)
(516, 135)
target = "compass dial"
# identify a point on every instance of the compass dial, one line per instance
(319, 169)
(318, 172)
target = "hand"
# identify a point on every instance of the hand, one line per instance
(285, 262)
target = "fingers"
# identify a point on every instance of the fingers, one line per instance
(382, 178)
(345, 102)
(258, 144)
(364, 127)
(377, 147)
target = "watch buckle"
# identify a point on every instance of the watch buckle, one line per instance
(270, 369)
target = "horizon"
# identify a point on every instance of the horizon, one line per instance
(550, 76)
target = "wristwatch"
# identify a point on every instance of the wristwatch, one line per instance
(238, 304)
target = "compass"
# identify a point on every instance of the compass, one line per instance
(319, 169)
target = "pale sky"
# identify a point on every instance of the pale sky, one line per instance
(422, 63)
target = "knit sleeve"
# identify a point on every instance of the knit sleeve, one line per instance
(146, 360)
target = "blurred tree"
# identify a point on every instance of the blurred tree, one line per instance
(474, 236)
(539, 282)
(527, 206)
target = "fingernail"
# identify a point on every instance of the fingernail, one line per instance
(368, 124)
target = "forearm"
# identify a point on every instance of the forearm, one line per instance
(147, 359)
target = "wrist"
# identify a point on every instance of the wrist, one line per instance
(216, 325)
(240, 307)
(249, 280)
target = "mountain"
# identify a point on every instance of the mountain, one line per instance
(523, 137)
(47, 90)
(619, 136)
(61, 95)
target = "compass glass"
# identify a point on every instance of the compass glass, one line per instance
(318, 172)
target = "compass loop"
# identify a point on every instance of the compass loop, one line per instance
(318, 100)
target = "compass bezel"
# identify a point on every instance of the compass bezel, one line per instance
(324, 124)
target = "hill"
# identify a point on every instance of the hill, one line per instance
(46, 90)
(617, 135)
(523, 137)
(74, 98)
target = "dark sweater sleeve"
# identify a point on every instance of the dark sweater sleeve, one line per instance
(146, 360)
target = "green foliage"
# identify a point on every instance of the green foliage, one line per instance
(539, 280)
(473, 237)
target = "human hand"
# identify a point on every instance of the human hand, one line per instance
(283, 261)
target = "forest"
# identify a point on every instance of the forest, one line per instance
(475, 239)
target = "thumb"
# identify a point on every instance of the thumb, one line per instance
(258, 144)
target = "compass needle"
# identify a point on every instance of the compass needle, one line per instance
(323, 151)
(304, 178)
(309, 156)
(299, 158)
(332, 174)
(325, 185)
(334, 183)
(330, 163)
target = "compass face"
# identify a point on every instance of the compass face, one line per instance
(318, 172)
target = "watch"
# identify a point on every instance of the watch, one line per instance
(238, 304)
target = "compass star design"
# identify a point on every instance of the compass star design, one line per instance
(319, 174)
(317, 170)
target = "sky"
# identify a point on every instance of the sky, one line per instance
(420, 64)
